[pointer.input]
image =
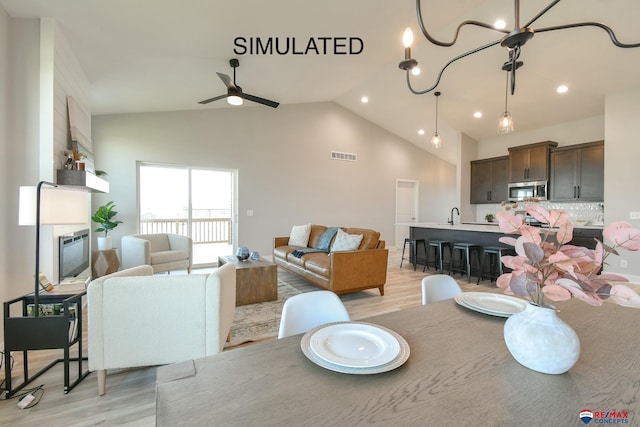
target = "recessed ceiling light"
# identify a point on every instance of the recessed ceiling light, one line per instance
(421, 132)
(477, 114)
(415, 71)
(562, 89)
(500, 24)
(364, 99)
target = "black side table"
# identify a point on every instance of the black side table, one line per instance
(24, 333)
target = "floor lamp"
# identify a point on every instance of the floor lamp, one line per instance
(51, 205)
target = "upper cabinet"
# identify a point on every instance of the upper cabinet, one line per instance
(489, 179)
(530, 162)
(577, 172)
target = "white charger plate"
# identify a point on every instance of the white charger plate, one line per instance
(493, 304)
(354, 345)
(399, 360)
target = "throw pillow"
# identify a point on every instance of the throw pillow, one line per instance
(325, 239)
(346, 242)
(300, 235)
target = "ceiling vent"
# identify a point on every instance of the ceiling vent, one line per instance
(336, 155)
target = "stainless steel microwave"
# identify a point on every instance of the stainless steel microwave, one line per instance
(519, 191)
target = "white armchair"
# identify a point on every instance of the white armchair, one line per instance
(157, 320)
(163, 252)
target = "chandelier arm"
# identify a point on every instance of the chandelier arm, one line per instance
(457, 33)
(542, 12)
(609, 31)
(478, 49)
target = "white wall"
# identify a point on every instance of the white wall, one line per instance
(621, 171)
(5, 159)
(37, 70)
(22, 148)
(286, 175)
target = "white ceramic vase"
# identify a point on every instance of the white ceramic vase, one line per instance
(538, 339)
(104, 243)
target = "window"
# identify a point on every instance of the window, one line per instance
(199, 203)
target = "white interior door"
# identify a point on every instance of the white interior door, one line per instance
(406, 208)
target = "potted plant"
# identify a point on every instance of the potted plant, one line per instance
(547, 268)
(488, 217)
(104, 216)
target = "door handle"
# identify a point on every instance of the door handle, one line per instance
(578, 191)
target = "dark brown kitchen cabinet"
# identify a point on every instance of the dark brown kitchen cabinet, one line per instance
(530, 162)
(577, 172)
(489, 178)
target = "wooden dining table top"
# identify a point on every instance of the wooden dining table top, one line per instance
(459, 372)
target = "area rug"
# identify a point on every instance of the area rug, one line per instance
(257, 322)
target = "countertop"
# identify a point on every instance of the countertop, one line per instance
(490, 227)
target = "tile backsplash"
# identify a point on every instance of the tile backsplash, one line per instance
(590, 211)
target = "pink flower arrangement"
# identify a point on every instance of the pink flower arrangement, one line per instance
(547, 267)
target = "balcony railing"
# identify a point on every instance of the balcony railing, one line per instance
(203, 230)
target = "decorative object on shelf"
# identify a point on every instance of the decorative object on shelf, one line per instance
(243, 253)
(538, 339)
(489, 217)
(55, 206)
(254, 256)
(68, 164)
(436, 139)
(104, 216)
(543, 269)
(512, 40)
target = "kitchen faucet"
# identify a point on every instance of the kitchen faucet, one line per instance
(450, 221)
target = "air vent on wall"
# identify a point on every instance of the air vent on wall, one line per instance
(336, 155)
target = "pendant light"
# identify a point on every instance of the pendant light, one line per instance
(436, 139)
(505, 123)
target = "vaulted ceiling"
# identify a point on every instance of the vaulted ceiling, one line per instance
(163, 55)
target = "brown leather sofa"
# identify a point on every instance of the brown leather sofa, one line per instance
(342, 271)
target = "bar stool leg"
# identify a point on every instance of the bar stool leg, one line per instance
(403, 248)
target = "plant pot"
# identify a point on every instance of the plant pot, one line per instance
(104, 243)
(539, 340)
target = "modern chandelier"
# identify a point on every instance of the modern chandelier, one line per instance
(511, 40)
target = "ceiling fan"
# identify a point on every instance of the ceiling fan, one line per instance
(235, 95)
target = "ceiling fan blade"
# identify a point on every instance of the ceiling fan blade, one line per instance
(227, 81)
(206, 101)
(259, 100)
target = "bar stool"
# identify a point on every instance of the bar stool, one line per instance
(464, 252)
(495, 259)
(438, 246)
(413, 250)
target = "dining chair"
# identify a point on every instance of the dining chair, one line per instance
(304, 312)
(439, 287)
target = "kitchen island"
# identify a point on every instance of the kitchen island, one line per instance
(485, 234)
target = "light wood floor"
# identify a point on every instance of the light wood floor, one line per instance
(130, 397)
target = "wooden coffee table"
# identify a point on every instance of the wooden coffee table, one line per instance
(256, 281)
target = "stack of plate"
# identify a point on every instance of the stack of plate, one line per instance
(355, 348)
(494, 304)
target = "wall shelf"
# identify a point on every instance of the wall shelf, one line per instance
(82, 179)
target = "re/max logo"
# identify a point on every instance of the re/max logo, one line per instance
(611, 414)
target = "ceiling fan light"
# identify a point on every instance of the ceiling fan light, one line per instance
(234, 100)
(505, 123)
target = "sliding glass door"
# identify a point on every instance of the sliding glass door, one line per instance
(195, 202)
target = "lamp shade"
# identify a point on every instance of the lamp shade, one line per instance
(57, 206)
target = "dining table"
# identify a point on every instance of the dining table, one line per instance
(459, 372)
